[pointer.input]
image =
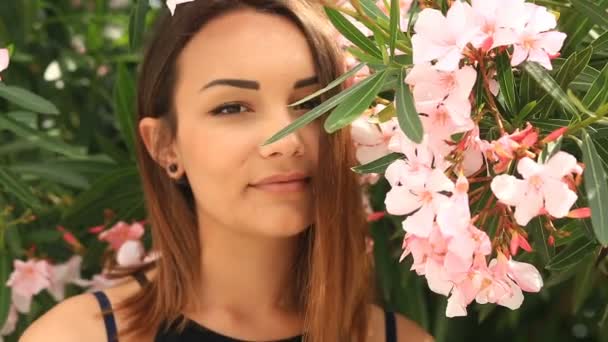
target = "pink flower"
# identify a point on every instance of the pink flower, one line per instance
(371, 140)
(495, 16)
(27, 280)
(130, 253)
(542, 187)
(425, 198)
(444, 95)
(444, 45)
(122, 232)
(4, 60)
(172, 4)
(535, 41)
(63, 274)
(11, 322)
(455, 215)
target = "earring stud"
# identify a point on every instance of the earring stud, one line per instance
(173, 168)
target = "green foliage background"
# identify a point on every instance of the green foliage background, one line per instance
(69, 161)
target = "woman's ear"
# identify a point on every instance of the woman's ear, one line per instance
(160, 148)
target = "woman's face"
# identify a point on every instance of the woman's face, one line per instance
(235, 79)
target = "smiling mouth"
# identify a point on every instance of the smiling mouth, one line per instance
(298, 185)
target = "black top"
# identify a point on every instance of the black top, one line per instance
(196, 332)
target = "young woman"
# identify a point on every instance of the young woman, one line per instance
(256, 242)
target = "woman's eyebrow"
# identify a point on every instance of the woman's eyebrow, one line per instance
(255, 85)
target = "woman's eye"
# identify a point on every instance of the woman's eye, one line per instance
(229, 109)
(309, 105)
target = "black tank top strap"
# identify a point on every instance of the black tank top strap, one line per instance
(108, 315)
(390, 326)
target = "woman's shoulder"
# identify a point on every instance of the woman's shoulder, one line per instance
(407, 330)
(77, 318)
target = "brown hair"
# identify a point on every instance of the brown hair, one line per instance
(333, 272)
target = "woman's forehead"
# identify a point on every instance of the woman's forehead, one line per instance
(246, 44)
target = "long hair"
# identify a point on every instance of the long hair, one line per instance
(332, 272)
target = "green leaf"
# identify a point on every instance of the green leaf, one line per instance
(550, 149)
(527, 89)
(27, 100)
(371, 9)
(598, 93)
(539, 242)
(574, 231)
(319, 110)
(571, 255)
(583, 283)
(523, 113)
(331, 85)
(40, 139)
(596, 188)
(352, 33)
(394, 28)
(596, 13)
(600, 44)
(124, 106)
(11, 184)
(542, 77)
(507, 82)
(566, 73)
(5, 291)
(409, 120)
(114, 190)
(137, 24)
(379, 165)
(51, 172)
(365, 57)
(355, 104)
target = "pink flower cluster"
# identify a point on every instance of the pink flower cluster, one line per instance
(486, 24)
(429, 186)
(31, 277)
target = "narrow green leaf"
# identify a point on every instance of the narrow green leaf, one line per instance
(27, 100)
(596, 13)
(539, 243)
(523, 113)
(507, 82)
(51, 172)
(598, 93)
(394, 28)
(5, 291)
(11, 184)
(583, 283)
(353, 106)
(527, 89)
(409, 120)
(364, 56)
(550, 149)
(40, 139)
(319, 110)
(124, 106)
(110, 191)
(352, 33)
(137, 24)
(542, 77)
(379, 165)
(331, 85)
(371, 9)
(600, 44)
(596, 188)
(571, 254)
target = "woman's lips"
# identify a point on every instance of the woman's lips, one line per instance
(282, 187)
